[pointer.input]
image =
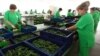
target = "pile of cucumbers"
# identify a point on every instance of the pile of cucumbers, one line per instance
(45, 45)
(21, 51)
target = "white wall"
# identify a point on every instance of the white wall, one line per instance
(44, 4)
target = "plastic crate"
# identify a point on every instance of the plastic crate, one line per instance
(62, 46)
(19, 38)
(22, 44)
(48, 22)
(1, 54)
(6, 33)
(58, 38)
(60, 24)
(28, 29)
(70, 24)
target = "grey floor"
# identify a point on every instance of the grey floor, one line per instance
(95, 51)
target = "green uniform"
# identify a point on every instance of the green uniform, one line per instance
(85, 28)
(12, 17)
(69, 14)
(57, 14)
(57, 17)
(96, 16)
(99, 15)
(73, 14)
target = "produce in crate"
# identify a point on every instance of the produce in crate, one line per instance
(21, 51)
(45, 45)
(57, 32)
(38, 20)
(61, 24)
(23, 37)
(4, 43)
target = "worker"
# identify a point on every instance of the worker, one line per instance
(50, 14)
(70, 16)
(56, 16)
(69, 13)
(96, 16)
(73, 13)
(85, 29)
(12, 18)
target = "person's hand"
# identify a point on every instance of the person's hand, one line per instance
(13, 26)
(14, 30)
(23, 24)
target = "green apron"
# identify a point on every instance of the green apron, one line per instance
(57, 17)
(69, 14)
(85, 28)
(14, 18)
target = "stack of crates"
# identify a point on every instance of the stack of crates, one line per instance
(6, 33)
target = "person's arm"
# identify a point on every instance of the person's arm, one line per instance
(6, 20)
(72, 28)
(80, 24)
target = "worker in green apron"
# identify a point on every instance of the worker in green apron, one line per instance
(96, 16)
(12, 18)
(69, 13)
(85, 29)
(57, 17)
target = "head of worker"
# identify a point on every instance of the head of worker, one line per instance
(49, 12)
(60, 9)
(92, 9)
(12, 7)
(83, 8)
(73, 10)
(69, 10)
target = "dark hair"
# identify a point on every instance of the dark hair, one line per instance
(49, 11)
(69, 10)
(98, 9)
(13, 6)
(93, 8)
(60, 9)
(84, 6)
(73, 10)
